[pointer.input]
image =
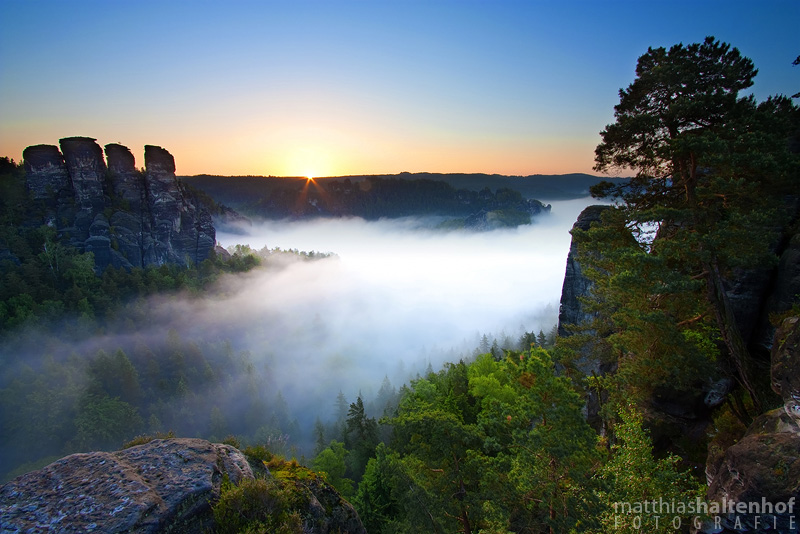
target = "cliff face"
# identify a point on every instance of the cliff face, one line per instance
(125, 217)
(179, 228)
(764, 464)
(47, 174)
(754, 294)
(576, 285)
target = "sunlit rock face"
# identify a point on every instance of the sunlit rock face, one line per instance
(159, 486)
(125, 217)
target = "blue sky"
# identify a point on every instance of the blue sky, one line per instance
(321, 88)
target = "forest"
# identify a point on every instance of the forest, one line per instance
(514, 436)
(368, 197)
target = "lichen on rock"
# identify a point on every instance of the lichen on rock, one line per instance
(164, 485)
(144, 489)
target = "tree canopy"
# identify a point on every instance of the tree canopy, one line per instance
(712, 171)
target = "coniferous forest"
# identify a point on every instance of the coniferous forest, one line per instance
(538, 434)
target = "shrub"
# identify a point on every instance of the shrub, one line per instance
(256, 505)
(147, 438)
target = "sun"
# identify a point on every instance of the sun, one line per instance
(308, 162)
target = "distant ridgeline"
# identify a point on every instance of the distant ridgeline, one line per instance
(126, 217)
(373, 197)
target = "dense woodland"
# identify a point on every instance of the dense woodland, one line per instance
(370, 197)
(239, 191)
(496, 442)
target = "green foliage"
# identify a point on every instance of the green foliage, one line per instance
(632, 475)
(233, 441)
(380, 493)
(83, 402)
(650, 316)
(105, 422)
(257, 505)
(712, 170)
(332, 462)
(361, 437)
(258, 454)
(491, 446)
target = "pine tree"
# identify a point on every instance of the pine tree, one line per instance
(541, 340)
(711, 170)
(634, 475)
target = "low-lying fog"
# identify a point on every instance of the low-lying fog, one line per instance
(278, 344)
(396, 296)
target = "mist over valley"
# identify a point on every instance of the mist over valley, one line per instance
(366, 307)
(399, 267)
(398, 294)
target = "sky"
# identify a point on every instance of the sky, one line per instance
(320, 88)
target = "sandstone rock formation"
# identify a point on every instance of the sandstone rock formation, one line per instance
(179, 228)
(125, 217)
(571, 313)
(753, 294)
(576, 285)
(47, 173)
(764, 466)
(145, 489)
(785, 370)
(161, 486)
(783, 290)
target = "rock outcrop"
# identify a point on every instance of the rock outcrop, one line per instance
(47, 174)
(754, 294)
(764, 466)
(783, 290)
(576, 284)
(179, 228)
(687, 411)
(571, 313)
(160, 486)
(127, 218)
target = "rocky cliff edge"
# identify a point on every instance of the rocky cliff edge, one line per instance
(161, 486)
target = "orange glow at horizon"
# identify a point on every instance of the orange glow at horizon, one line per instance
(267, 155)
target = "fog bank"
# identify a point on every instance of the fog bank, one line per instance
(264, 353)
(396, 291)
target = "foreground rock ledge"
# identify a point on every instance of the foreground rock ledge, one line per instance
(164, 485)
(764, 466)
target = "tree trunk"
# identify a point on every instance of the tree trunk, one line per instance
(465, 521)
